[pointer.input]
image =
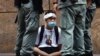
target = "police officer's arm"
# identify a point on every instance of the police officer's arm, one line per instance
(89, 2)
(40, 52)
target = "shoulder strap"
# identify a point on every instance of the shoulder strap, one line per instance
(56, 34)
(41, 34)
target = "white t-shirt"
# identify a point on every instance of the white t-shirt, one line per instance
(46, 34)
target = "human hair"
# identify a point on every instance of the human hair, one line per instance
(50, 11)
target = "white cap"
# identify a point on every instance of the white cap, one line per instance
(48, 15)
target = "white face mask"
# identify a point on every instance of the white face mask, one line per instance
(51, 24)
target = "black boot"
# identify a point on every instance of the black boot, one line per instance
(83, 55)
(17, 53)
(89, 54)
(26, 55)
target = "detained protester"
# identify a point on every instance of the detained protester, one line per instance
(48, 38)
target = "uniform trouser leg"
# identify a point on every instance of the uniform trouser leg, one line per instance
(87, 33)
(67, 27)
(32, 24)
(79, 29)
(21, 31)
(72, 25)
(72, 29)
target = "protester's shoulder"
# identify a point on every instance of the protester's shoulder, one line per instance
(39, 29)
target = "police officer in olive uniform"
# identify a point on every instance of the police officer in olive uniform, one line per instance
(87, 33)
(73, 13)
(28, 23)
